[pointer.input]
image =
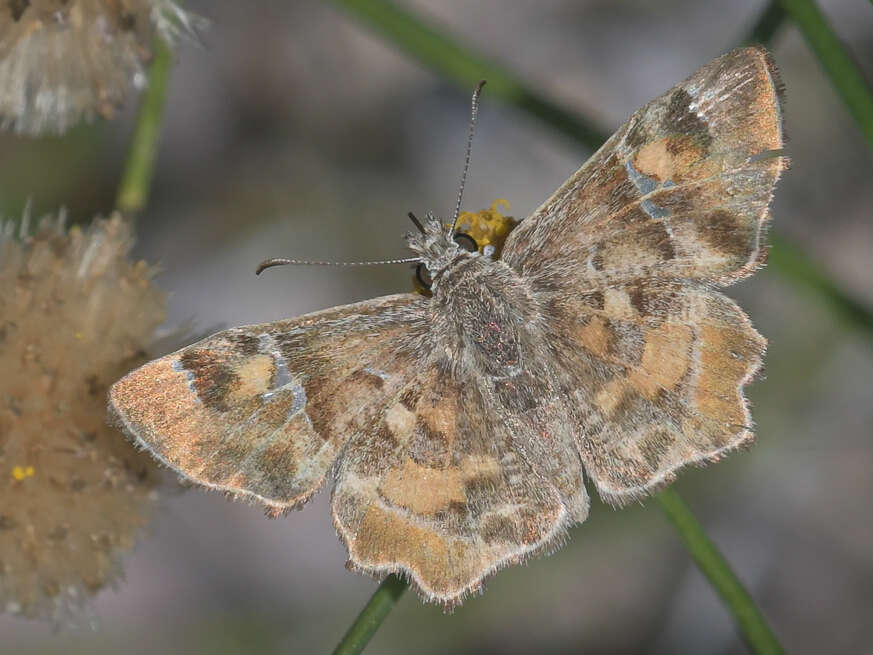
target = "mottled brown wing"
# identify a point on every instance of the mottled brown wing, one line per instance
(680, 190)
(442, 488)
(622, 258)
(658, 371)
(262, 412)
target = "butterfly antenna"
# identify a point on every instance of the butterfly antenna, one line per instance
(474, 109)
(414, 219)
(281, 261)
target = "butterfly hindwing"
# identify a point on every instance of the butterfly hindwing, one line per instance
(439, 490)
(658, 370)
(263, 411)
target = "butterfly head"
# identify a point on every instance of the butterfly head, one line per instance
(437, 247)
(431, 242)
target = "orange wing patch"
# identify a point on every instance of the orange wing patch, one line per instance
(666, 359)
(675, 159)
(422, 489)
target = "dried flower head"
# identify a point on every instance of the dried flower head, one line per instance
(488, 227)
(75, 314)
(65, 60)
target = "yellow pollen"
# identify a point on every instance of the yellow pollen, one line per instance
(21, 472)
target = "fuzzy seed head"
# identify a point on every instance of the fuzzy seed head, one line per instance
(75, 315)
(62, 61)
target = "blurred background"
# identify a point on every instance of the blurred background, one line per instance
(296, 131)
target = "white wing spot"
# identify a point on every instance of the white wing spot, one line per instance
(379, 374)
(189, 377)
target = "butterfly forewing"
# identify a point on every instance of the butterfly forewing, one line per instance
(680, 190)
(273, 404)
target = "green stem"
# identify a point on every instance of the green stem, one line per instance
(791, 261)
(139, 166)
(750, 621)
(377, 608)
(836, 61)
(768, 24)
(437, 51)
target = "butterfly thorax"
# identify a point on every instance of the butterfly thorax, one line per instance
(483, 313)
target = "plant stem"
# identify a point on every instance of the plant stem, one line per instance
(139, 166)
(768, 24)
(437, 51)
(377, 608)
(790, 261)
(836, 61)
(750, 621)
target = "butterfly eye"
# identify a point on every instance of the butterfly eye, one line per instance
(466, 242)
(423, 276)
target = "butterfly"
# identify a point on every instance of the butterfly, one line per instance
(457, 430)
